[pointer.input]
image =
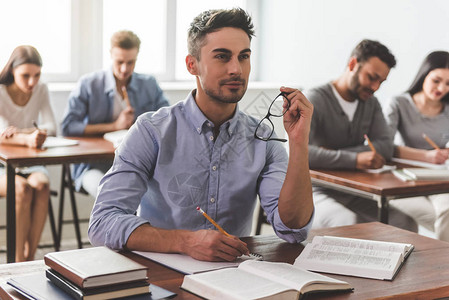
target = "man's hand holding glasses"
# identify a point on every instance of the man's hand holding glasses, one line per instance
(296, 111)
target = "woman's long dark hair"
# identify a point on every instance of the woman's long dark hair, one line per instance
(21, 55)
(435, 60)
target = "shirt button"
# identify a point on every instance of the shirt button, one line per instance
(211, 138)
(208, 124)
(212, 200)
(214, 168)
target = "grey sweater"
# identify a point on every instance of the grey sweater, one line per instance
(335, 141)
(404, 117)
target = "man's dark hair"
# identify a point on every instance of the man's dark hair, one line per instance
(213, 20)
(368, 48)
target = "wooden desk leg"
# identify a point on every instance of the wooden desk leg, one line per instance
(382, 205)
(10, 214)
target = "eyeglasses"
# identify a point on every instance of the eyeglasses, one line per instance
(265, 128)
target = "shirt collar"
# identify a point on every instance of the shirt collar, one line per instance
(199, 120)
(110, 84)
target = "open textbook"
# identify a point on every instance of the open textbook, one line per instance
(356, 257)
(260, 280)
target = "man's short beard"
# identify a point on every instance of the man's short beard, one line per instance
(234, 98)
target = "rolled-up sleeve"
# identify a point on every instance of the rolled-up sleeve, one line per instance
(270, 185)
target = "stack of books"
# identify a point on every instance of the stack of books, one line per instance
(85, 274)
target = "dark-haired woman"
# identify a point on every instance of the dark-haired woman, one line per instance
(424, 109)
(23, 101)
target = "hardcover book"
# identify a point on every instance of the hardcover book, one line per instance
(100, 293)
(95, 267)
(37, 287)
(254, 279)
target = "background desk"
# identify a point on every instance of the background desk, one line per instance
(379, 187)
(425, 275)
(89, 149)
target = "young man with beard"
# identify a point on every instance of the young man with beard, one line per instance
(346, 110)
(202, 152)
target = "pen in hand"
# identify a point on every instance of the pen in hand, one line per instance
(431, 143)
(35, 125)
(212, 221)
(370, 144)
(125, 96)
(250, 255)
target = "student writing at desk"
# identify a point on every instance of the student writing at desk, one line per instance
(110, 100)
(23, 101)
(203, 152)
(424, 109)
(345, 111)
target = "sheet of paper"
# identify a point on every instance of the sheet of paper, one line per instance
(185, 263)
(52, 141)
(384, 169)
(421, 163)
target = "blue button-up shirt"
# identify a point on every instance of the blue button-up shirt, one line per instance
(170, 163)
(92, 102)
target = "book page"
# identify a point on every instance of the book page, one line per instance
(355, 257)
(292, 276)
(233, 283)
(358, 246)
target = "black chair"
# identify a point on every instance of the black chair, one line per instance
(261, 219)
(66, 182)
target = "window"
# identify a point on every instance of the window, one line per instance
(148, 20)
(73, 36)
(44, 24)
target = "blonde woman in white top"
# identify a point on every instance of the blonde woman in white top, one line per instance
(23, 102)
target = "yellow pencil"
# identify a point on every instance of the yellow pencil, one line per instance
(212, 221)
(431, 143)
(125, 96)
(370, 144)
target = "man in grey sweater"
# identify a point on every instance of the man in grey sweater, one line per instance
(344, 111)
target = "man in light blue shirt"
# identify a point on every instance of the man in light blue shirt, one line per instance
(203, 152)
(99, 103)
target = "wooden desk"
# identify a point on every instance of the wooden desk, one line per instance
(379, 187)
(89, 149)
(425, 274)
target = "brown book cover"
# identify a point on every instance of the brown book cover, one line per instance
(95, 267)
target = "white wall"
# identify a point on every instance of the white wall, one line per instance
(307, 43)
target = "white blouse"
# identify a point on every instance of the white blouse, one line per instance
(37, 109)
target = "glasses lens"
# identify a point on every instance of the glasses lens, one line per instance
(265, 129)
(277, 108)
